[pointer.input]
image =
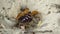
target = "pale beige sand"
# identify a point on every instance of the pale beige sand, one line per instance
(50, 14)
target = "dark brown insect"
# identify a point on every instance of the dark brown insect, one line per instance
(25, 17)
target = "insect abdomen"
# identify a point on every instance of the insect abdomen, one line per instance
(26, 18)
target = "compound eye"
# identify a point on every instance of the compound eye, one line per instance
(22, 9)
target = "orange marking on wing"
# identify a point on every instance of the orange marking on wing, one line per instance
(22, 13)
(34, 13)
(19, 15)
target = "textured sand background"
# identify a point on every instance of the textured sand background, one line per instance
(49, 10)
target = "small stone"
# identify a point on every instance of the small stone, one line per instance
(49, 12)
(3, 8)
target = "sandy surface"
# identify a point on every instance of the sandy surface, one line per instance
(49, 10)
